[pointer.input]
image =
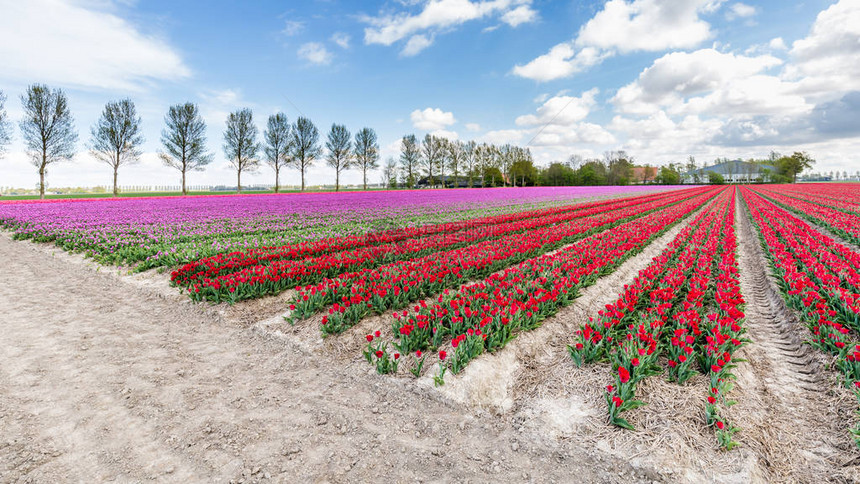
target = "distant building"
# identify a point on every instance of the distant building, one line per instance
(735, 171)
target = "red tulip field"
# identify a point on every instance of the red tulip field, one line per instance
(703, 334)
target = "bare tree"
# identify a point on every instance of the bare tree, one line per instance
(456, 156)
(339, 146)
(184, 140)
(48, 128)
(5, 128)
(240, 143)
(366, 152)
(389, 173)
(410, 154)
(116, 137)
(306, 145)
(469, 156)
(278, 148)
(431, 156)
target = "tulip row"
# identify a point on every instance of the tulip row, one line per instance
(389, 246)
(846, 224)
(818, 278)
(221, 264)
(394, 286)
(843, 196)
(257, 281)
(485, 316)
(685, 307)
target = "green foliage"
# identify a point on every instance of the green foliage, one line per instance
(557, 175)
(669, 175)
(791, 166)
(524, 173)
(715, 178)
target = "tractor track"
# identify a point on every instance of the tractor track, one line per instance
(788, 411)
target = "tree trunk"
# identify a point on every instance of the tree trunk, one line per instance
(337, 180)
(115, 169)
(364, 176)
(42, 182)
(276, 179)
(238, 181)
(303, 177)
(184, 192)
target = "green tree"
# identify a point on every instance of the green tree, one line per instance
(278, 149)
(592, 173)
(306, 146)
(669, 175)
(790, 166)
(715, 178)
(619, 167)
(240, 143)
(339, 157)
(410, 154)
(558, 174)
(48, 128)
(524, 172)
(492, 176)
(116, 138)
(184, 140)
(366, 152)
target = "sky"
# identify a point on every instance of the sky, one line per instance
(661, 79)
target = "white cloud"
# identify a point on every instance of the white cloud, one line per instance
(777, 44)
(416, 44)
(677, 76)
(432, 119)
(315, 53)
(292, 28)
(341, 39)
(64, 42)
(740, 10)
(561, 110)
(639, 25)
(437, 16)
(647, 25)
(474, 127)
(559, 136)
(561, 61)
(447, 134)
(523, 14)
(828, 59)
(502, 136)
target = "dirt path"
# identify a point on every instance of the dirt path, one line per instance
(789, 406)
(102, 379)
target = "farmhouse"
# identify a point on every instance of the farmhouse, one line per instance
(735, 171)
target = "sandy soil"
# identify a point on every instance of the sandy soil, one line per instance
(103, 379)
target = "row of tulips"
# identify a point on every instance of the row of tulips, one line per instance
(818, 278)
(843, 196)
(684, 309)
(220, 264)
(486, 315)
(262, 280)
(354, 295)
(846, 224)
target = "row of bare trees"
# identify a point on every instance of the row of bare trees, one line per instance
(434, 157)
(48, 130)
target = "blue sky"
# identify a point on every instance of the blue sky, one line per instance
(661, 79)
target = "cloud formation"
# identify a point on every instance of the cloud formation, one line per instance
(59, 41)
